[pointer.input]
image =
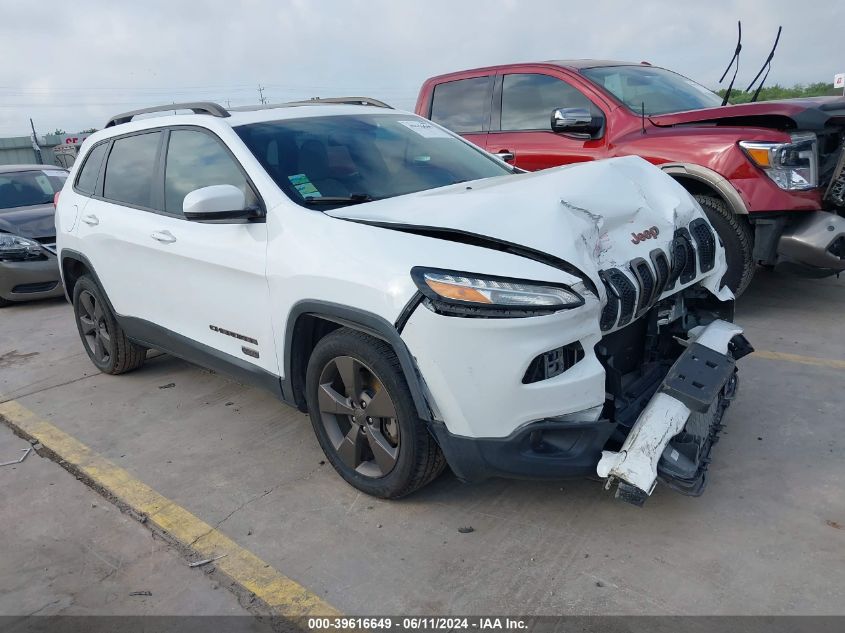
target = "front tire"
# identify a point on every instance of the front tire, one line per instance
(365, 419)
(737, 239)
(102, 337)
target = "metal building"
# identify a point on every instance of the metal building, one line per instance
(59, 150)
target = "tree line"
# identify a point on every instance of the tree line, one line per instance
(770, 93)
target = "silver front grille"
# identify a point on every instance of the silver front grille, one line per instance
(836, 189)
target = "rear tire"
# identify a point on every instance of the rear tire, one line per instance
(102, 337)
(737, 239)
(365, 419)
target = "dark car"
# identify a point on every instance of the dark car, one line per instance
(28, 265)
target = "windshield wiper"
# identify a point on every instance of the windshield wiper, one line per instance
(355, 198)
(767, 66)
(737, 50)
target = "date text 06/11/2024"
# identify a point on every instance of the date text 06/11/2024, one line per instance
(418, 623)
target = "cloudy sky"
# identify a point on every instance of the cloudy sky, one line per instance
(71, 65)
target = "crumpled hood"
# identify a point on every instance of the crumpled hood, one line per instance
(36, 221)
(812, 113)
(595, 215)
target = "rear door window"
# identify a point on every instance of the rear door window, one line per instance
(195, 160)
(529, 98)
(463, 106)
(130, 170)
(87, 180)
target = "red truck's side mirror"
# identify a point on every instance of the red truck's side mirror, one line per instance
(576, 121)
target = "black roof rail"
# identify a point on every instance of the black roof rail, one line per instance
(365, 101)
(198, 107)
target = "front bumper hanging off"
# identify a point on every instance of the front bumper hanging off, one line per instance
(698, 386)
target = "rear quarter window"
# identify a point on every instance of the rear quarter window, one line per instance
(86, 182)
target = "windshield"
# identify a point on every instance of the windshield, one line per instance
(660, 91)
(351, 159)
(29, 188)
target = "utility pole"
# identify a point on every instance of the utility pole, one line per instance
(35, 145)
(261, 96)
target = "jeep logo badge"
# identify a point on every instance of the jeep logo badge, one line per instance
(648, 234)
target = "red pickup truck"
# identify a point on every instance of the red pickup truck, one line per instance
(769, 175)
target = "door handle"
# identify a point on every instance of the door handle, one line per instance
(165, 237)
(505, 155)
(91, 219)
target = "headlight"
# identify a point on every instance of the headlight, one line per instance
(468, 294)
(793, 165)
(17, 248)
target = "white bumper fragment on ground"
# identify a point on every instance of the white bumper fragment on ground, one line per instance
(663, 418)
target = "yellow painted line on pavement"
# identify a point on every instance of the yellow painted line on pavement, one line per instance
(284, 596)
(804, 360)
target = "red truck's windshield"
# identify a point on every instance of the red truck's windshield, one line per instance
(656, 90)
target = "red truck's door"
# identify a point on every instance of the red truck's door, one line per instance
(521, 121)
(464, 106)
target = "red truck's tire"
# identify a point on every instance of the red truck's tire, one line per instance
(737, 239)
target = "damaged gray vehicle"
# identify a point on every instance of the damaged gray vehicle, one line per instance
(28, 266)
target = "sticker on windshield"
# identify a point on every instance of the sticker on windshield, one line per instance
(55, 174)
(45, 185)
(426, 129)
(304, 186)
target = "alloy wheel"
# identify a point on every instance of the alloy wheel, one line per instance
(359, 417)
(92, 321)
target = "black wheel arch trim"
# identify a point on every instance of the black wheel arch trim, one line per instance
(408, 310)
(66, 254)
(363, 321)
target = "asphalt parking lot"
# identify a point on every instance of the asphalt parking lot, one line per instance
(767, 537)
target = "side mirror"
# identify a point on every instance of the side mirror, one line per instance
(217, 202)
(578, 121)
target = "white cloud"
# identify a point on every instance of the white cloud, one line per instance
(71, 65)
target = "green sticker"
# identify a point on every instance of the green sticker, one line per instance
(304, 186)
(307, 188)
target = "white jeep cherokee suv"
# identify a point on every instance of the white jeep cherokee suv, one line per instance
(425, 302)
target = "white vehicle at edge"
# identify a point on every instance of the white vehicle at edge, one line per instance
(423, 301)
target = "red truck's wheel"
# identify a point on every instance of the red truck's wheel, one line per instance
(737, 239)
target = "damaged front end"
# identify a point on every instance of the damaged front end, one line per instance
(632, 382)
(668, 400)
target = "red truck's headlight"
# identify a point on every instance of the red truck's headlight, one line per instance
(793, 165)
